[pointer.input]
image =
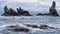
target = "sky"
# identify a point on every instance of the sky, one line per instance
(32, 6)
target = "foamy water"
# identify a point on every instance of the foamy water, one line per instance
(22, 20)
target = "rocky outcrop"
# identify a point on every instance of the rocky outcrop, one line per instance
(53, 11)
(11, 12)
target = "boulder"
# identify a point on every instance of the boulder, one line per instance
(53, 11)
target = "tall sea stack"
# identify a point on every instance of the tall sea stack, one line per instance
(53, 11)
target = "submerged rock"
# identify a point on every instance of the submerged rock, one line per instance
(53, 11)
(46, 27)
(41, 26)
(18, 29)
(41, 14)
(33, 26)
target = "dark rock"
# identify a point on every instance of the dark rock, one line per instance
(12, 12)
(41, 14)
(9, 12)
(33, 26)
(52, 28)
(46, 27)
(21, 12)
(5, 11)
(25, 13)
(12, 26)
(53, 11)
(18, 29)
(43, 27)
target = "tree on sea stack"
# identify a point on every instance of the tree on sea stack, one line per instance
(53, 11)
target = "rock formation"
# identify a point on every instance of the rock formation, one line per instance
(22, 12)
(53, 11)
(17, 28)
(41, 26)
(11, 12)
(5, 11)
(33, 26)
(19, 10)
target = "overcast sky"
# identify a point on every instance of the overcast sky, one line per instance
(41, 2)
(33, 5)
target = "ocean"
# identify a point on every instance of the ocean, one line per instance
(38, 20)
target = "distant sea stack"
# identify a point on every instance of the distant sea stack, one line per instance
(11, 12)
(53, 11)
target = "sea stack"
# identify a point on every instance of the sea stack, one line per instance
(53, 11)
(11, 12)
